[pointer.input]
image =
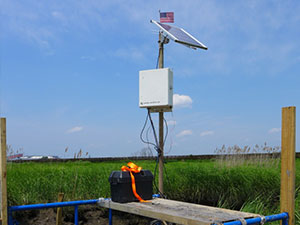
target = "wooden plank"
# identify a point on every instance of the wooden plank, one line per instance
(288, 168)
(178, 212)
(3, 171)
(59, 210)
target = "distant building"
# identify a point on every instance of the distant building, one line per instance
(14, 157)
(31, 157)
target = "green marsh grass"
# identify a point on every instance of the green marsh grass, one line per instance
(247, 187)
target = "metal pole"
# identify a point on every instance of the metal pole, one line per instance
(257, 220)
(76, 215)
(110, 217)
(161, 124)
(52, 205)
(10, 217)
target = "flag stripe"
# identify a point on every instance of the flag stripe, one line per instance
(167, 17)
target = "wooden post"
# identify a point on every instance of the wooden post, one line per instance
(3, 186)
(59, 210)
(288, 143)
(161, 124)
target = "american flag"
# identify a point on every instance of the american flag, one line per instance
(166, 17)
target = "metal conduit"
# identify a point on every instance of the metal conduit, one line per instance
(260, 220)
(50, 205)
(59, 204)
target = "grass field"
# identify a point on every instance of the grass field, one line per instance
(248, 187)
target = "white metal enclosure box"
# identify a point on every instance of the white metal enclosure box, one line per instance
(156, 90)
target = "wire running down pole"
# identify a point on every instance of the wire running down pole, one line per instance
(161, 123)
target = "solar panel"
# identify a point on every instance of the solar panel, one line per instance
(179, 35)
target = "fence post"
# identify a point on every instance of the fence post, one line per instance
(59, 210)
(288, 168)
(3, 186)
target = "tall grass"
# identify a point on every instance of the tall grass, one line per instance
(262, 155)
(228, 187)
(32, 182)
(247, 187)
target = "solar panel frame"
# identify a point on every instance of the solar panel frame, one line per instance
(169, 34)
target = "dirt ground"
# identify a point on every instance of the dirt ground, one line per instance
(88, 215)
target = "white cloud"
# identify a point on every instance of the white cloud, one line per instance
(58, 15)
(74, 129)
(274, 130)
(182, 100)
(171, 122)
(129, 53)
(206, 133)
(184, 133)
(88, 58)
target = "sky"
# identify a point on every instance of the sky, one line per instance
(69, 74)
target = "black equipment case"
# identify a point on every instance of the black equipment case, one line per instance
(121, 189)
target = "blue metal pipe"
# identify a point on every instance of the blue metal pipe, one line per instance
(58, 204)
(76, 214)
(52, 205)
(282, 216)
(285, 221)
(10, 217)
(110, 216)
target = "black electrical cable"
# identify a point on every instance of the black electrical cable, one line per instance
(167, 131)
(158, 153)
(154, 175)
(168, 180)
(170, 135)
(157, 60)
(155, 184)
(157, 148)
(154, 132)
(141, 134)
(165, 169)
(147, 138)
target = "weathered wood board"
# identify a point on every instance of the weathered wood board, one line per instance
(288, 164)
(3, 172)
(178, 212)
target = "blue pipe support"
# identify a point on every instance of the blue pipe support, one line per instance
(156, 195)
(282, 216)
(10, 217)
(110, 216)
(76, 215)
(52, 205)
(110, 219)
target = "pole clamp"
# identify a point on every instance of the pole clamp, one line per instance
(243, 221)
(262, 220)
